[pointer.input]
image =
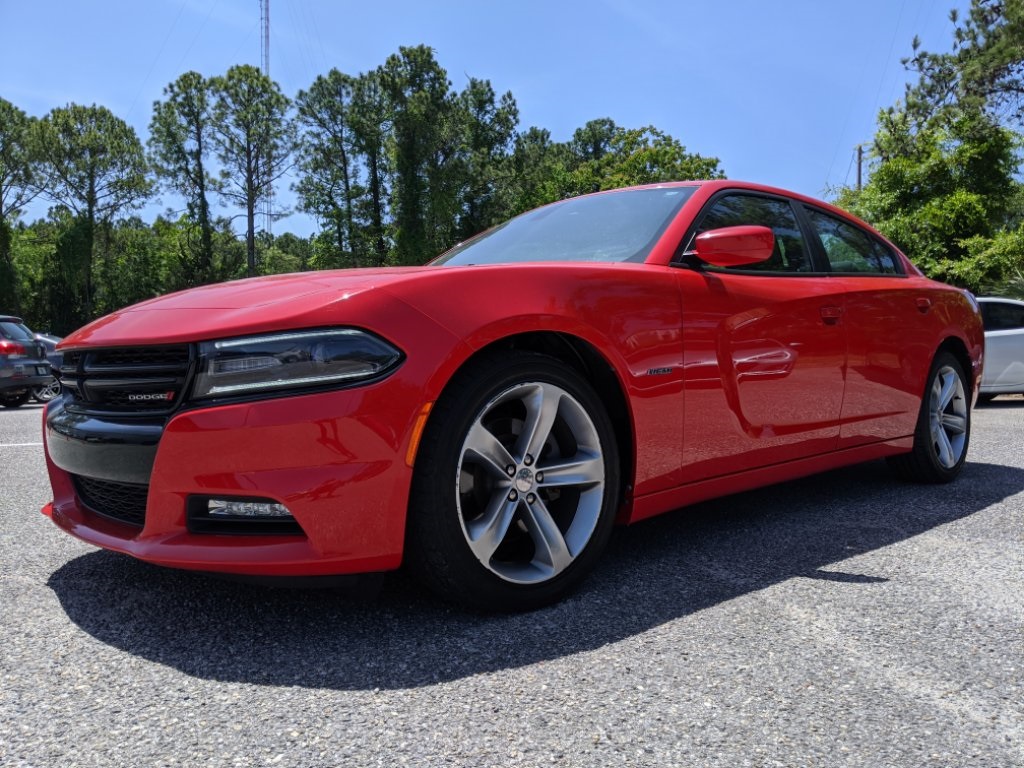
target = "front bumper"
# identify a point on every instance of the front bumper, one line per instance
(335, 459)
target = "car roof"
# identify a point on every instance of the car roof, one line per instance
(714, 185)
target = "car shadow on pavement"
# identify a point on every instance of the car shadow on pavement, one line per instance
(654, 572)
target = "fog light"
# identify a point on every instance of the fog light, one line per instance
(233, 508)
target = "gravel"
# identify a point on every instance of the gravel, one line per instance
(841, 620)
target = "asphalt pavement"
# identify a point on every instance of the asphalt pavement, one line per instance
(843, 620)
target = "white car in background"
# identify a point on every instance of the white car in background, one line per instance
(1004, 347)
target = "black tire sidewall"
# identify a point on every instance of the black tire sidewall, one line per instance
(436, 542)
(927, 446)
(14, 401)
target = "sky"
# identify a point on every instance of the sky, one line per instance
(780, 91)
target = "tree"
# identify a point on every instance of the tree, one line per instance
(371, 121)
(95, 169)
(943, 163)
(539, 168)
(180, 146)
(607, 156)
(254, 140)
(983, 72)
(488, 127)
(594, 140)
(935, 190)
(327, 159)
(425, 148)
(21, 174)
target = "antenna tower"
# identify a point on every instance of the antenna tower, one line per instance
(265, 60)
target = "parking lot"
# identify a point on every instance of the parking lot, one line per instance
(842, 620)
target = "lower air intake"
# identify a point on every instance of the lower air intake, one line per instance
(124, 502)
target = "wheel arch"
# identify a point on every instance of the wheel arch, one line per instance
(958, 349)
(587, 360)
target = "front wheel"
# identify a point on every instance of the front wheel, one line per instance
(943, 426)
(516, 484)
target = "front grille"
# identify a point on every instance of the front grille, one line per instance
(126, 380)
(125, 502)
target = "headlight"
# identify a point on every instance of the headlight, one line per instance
(291, 360)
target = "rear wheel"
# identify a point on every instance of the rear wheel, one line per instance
(516, 484)
(943, 426)
(14, 401)
(47, 392)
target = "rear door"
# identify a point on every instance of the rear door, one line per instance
(890, 326)
(764, 348)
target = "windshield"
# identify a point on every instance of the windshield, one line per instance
(616, 226)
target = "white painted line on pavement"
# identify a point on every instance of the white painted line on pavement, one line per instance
(18, 445)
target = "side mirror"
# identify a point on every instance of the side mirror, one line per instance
(735, 246)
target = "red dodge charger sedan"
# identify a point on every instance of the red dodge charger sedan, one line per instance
(488, 418)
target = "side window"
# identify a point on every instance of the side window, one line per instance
(999, 316)
(790, 254)
(850, 249)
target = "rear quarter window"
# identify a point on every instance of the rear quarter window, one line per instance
(1002, 316)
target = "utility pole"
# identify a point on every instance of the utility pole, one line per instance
(860, 162)
(268, 203)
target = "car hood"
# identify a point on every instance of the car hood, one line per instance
(305, 299)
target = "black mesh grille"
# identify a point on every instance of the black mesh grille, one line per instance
(124, 502)
(126, 380)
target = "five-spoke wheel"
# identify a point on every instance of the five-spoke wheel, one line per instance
(46, 392)
(516, 484)
(943, 426)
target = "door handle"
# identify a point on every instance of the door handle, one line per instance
(831, 315)
(923, 305)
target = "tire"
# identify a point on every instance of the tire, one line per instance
(943, 427)
(516, 484)
(15, 401)
(47, 392)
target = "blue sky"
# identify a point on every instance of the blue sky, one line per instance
(780, 91)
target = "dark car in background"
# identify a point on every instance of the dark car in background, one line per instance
(46, 392)
(23, 363)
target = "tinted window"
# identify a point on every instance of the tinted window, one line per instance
(1000, 316)
(851, 249)
(790, 253)
(15, 331)
(617, 226)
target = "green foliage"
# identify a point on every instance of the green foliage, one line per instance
(254, 140)
(95, 170)
(424, 147)
(180, 148)
(983, 72)
(395, 165)
(607, 157)
(95, 162)
(285, 253)
(329, 187)
(488, 127)
(21, 168)
(943, 182)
